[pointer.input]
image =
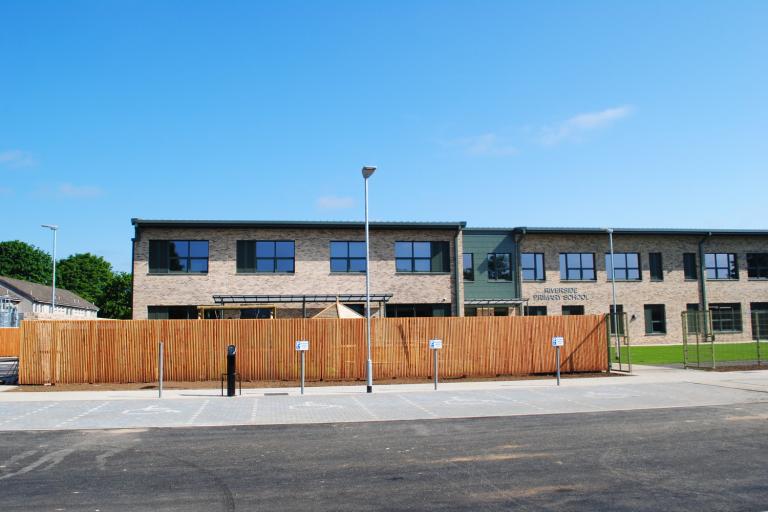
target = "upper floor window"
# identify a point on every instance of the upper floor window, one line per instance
(689, 266)
(267, 256)
(721, 266)
(656, 267)
(468, 262)
(347, 256)
(757, 265)
(626, 266)
(532, 266)
(422, 257)
(577, 266)
(499, 267)
(178, 256)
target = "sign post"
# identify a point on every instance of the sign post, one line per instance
(557, 342)
(302, 346)
(435, 345)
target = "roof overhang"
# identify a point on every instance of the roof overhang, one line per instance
(494, 302)
(283, 299)
(285, 224)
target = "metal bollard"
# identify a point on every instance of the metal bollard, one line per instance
(231, 369)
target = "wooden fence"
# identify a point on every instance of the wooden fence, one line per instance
(9, 341)
(126, 351)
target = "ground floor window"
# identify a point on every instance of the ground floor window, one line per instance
(759, 320)
(414, 310)
(470, 311)
(726, 317)
(172, 312)
(692, 317)
(535, 310)
(655, 319)
(573, 310)
(618, 317)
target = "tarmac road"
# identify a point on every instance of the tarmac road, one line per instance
(698, 458)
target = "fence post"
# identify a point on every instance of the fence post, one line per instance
(160, 372)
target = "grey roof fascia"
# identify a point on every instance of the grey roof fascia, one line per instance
(288, 224)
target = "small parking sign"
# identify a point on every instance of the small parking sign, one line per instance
(302, 346)
(558, 341)
(435, 344)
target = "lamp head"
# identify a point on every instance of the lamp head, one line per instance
(50, 226)
(368, 171)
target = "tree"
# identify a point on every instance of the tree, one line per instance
(21, 260)
(115, 301)
(84, 274)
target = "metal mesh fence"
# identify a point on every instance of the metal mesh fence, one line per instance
(705, 348)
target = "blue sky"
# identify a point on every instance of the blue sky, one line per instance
(649, 114)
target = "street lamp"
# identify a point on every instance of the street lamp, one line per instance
(54, 228)
(614, 313)
(367, 173)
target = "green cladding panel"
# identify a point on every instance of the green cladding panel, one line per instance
(481, 244)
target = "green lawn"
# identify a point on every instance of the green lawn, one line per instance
(667, 354)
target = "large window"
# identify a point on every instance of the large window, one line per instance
(721, 266)
(577, 266)
(655, 319)
(689, 266)
(626, 265)
(468, 262)
(656, 267)
(757, 265)
(532, 266)
(178, 256)
(422, 257)
(171, 312)
(347, 256)
(414, 310)
(759, 320)
(499, 266)
(266, 256)
(726, 317)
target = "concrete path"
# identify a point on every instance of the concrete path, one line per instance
(650, 388)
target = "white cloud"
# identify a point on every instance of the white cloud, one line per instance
(69, 191)
(17, 158)
(334, 203)
(487, 144)
(578, 125)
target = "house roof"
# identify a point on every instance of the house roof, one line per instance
(41, 293)
(622, 231)
(283, 224)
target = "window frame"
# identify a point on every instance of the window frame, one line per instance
(580, 269)
(445, 249)
(252, 245)
(537, 308)
(736, 317)
(471, 270)
(690, 266)
(537, 268)
(626, 268)
(649, 322)
(570, 307)
(759, 269)
(495, 257)
(655, 266)
(167, 258)
(347, 259)
(732, 273)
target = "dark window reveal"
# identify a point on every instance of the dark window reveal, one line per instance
(468, 262)
(422, 257)
(266, 256)
(178, 256)
(726, 317)
(577, 266)
(721, 266)
(535, 310)
(689, 266)
(757, 265)
(414, 310)
(626, 265)
(656, 267)
(347, 256)
(532, 266)
(573, 310)
(655, 319)
(619, 316)
(499, 267)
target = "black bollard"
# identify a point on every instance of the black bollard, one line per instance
(231, 369)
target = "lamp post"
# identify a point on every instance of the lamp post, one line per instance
(55, 229)
(367, 173)
(614, 313)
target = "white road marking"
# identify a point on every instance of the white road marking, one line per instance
(198, 412)
(365, 408)
(86, 413)
(314, 405)
(150, 409)
(253, 410)
(21, 416)
(417, 406)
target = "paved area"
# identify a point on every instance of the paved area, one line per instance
(654, 388)
(686, 459)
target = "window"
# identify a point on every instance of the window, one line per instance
(721, 266)
(757, 265)
(347, 256)
(689, 266)
(573, 310)
(499, 267)
(532, 265)
(692, 317)
(626, 265)
(535, 310)
(501, 311)
(726, 317)
(265, 256)
(577, 266)
(468, 261)
(172, 312)
(470, 311)
(422, 257)
(618, 316)
(759, 320)
(413, 310)
(656, 267)
(655, 319)
(178, 256)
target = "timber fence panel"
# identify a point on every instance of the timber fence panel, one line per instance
(10, 338)
(126, 351)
